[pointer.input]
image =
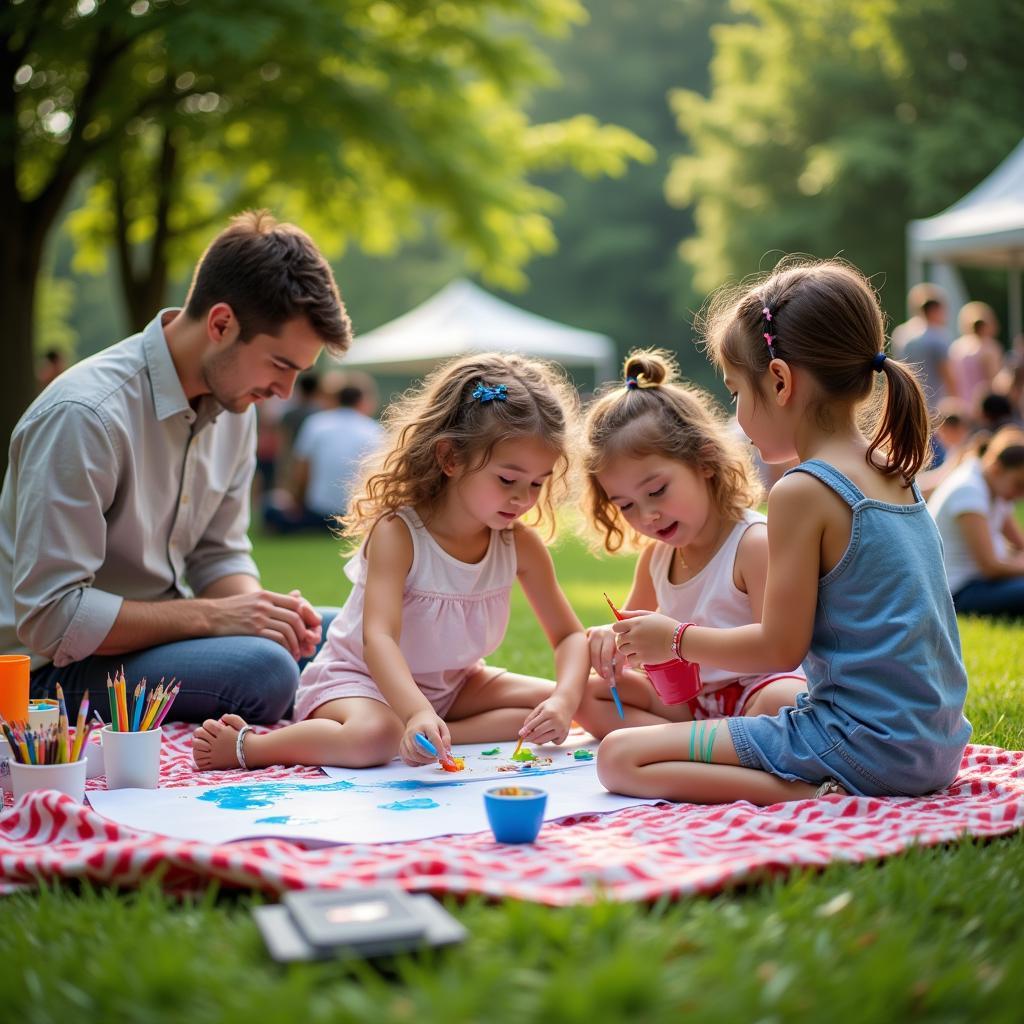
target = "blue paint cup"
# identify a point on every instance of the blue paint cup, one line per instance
(515, 812)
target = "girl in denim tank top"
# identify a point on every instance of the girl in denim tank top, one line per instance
(475, 450)
(663, 466)
(856, 588)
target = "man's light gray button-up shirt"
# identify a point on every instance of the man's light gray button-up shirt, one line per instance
(118, 489)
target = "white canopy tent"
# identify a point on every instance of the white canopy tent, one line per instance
(462, 318)
(983, 229)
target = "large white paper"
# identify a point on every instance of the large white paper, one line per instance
(479, 767)
(355, 809)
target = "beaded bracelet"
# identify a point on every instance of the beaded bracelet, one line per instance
(677, 640)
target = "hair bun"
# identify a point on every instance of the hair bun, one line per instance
(650, 366)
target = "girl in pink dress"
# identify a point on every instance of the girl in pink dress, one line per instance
(480, 445)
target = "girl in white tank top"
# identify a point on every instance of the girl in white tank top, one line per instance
(472, 452)
(662, 465)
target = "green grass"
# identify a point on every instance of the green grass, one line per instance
(931, 935)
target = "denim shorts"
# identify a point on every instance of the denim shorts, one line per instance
(811, 743)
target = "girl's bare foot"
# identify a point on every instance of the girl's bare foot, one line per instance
(213, 743)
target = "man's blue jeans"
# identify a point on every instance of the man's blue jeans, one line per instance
(251, 676)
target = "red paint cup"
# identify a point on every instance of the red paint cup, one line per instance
(674, 681)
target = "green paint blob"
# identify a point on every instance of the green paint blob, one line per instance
(493, 752)
(583, 755)
(524, 755)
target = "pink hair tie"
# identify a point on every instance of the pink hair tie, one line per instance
(766, 313)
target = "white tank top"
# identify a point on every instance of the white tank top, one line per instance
(711, 598)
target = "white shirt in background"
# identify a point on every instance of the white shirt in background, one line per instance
(964, 491)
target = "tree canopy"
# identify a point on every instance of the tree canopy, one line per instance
(351, 117)
(830, 125)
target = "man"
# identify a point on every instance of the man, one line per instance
(929, 351)
(125, 509)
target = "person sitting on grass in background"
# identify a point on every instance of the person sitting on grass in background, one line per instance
(856, 589)
(982, 542)
(662, 464)
(326, 456)
(953, 440)
(480, 445)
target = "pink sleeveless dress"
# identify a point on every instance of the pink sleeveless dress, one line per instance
(453, 615)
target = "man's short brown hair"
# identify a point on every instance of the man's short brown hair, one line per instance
(269, 273)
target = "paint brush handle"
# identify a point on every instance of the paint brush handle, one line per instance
(615, 611)
(427, 745)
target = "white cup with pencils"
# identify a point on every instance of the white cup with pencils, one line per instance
(48, 756)
(131, 743)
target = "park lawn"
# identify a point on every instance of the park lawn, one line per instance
(931, 935)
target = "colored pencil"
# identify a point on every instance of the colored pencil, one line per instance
(153, 709)
(167, 705)
(140, 694)
(63, 744)
(113, 704)
(122, 702)
(80, 733)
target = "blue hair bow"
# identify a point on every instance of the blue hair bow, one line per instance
(485, 393)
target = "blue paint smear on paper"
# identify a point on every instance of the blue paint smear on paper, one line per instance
(420, 803)
(264, 794)
(280, 819)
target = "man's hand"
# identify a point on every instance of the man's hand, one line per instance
(287, 619)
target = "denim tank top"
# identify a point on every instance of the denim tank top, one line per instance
(885, 651)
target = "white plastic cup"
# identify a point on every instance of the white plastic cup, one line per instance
(42, 714)
(65, 778)
(5, 765)
(93, 755)
(132, 759)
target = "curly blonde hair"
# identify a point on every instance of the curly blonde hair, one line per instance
(537, 401)
(656, 413)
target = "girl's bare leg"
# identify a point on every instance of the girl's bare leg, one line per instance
(778, 694)
(352, 732)
(652, 762)
(493, 704)
(599, 716)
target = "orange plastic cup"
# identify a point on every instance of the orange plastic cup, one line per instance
(14, 687)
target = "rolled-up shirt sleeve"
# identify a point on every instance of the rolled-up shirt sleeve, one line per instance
(67, 480)
(225, 549)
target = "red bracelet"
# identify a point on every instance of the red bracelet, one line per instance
(677, 639)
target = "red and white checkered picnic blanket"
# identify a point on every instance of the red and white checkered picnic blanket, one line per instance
(637, 854)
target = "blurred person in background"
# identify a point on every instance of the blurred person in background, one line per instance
(50, 367)
(915, 325)
(983, 544)
(326, 456)
(954, 439)
(928, 351)
(305, 400)
(976, 357)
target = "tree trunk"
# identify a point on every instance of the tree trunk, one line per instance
(144, 280)
(20, 259)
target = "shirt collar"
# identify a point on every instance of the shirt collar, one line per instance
(169, 397)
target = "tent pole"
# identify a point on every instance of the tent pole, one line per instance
(1014, 324)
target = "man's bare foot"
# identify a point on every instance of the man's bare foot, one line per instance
(213, 743)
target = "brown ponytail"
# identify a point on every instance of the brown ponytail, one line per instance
(903, 427)
(825, 318)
